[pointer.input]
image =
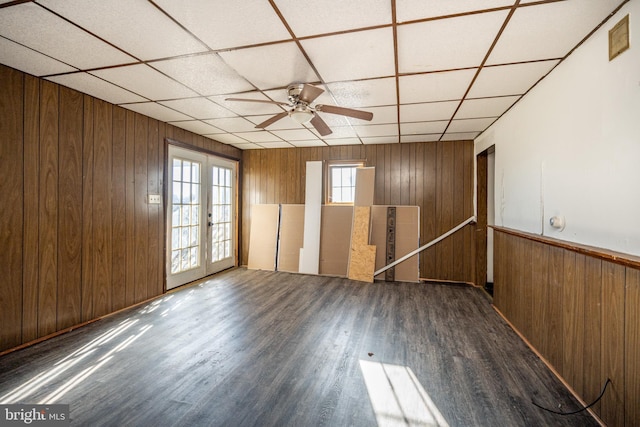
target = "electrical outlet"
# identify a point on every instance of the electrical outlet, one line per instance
(153, 199)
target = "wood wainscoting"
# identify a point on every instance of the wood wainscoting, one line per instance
(579, 307)
(437, 176)
(79, 240)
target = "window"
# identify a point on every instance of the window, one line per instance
(341, 181)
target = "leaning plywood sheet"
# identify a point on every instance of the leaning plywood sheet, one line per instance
(263, 238)
(334, 239)
(362, 257)
(406, 239)
(291, 237)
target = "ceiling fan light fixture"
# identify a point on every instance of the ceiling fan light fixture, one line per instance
(301, 115)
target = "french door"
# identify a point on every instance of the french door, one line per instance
(201, 225)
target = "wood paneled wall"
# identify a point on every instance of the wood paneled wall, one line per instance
(437, 176)
(581, 312)
(79, 240)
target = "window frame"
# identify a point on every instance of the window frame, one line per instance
(329, 165)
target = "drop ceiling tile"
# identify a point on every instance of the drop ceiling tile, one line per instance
(28, 60)
(376, 130)
(335, 120)
(421, 138)
(428, 111)
(445, 86)
(485, 107)
(381, 140)
(330, 16)
(145, 81)
(225, 24)
(233, 124)
(198, 108)
(338, 133)
(258, 136)
(343, 141)
(549, 30)
(205, 74)
(276, 144)
(136, 26)
(470, 125)
(352, 56)
(309, 143)
(447, 44)
(247, 108)
(280, 65)
(41, 30)
(228, 138)
(513, 79)
(381, 115)
(408, 10)
(91, 85)
(459, 136)
(247, 146)
(364, 93)
(423, 127)
(284, 123)
(156, 111)
(294, 134)
(198, 127)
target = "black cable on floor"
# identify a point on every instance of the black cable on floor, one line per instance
(579, 410)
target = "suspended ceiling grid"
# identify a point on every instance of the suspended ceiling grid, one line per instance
(428, 70)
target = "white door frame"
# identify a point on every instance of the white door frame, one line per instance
(188, 245)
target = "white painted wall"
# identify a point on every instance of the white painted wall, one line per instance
(571, 147)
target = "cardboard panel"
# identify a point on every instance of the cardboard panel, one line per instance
(407, 239)
(365, 185)
(310, 252)
(362, 257)
(264, 237)
(334, 241)
(291, 237)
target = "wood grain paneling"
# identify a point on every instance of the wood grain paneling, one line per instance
(554, 313)
(102, 238)
(589, 327)
(632, 348)
(87, 210)
(118, 209)
(437, 176)
(30, 270)
(70, 210)
(141, 216)
(79, 240)
(11, 200)
(48, 228)
(573, 320)
(613, 283)
(592, 331)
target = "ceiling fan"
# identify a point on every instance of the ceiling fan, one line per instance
(299, 108)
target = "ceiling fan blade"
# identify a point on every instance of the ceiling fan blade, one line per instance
(272, 120)
(333, 109)
(257, 100)
(309, 93)
(320, 125)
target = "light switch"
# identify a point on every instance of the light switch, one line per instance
(153, 199)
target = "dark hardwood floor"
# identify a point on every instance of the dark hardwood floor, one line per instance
(262, 348)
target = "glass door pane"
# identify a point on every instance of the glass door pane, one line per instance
(201, 227)
(186, 261)
(221, 236)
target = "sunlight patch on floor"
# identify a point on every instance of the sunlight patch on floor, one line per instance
(398, 398)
